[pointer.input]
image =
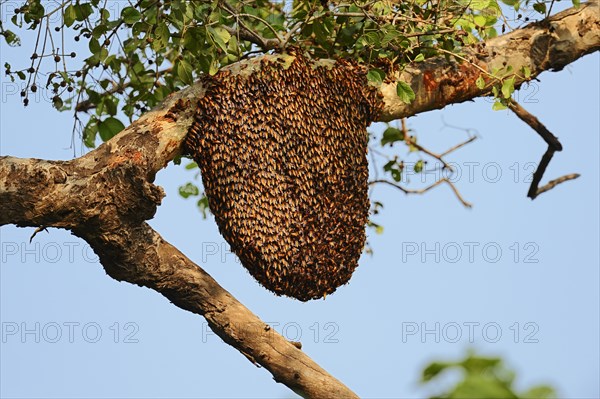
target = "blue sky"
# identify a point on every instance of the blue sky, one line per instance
(510, 277)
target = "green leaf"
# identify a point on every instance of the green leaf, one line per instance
(184, 72)
(405, 92)
(376, 76)
(481, 386)
(57, 102)
(189, 190)
(539, 392)
(193, 39)
(89, 133)
(11, 38)
(434, 369)
(419, 166)
(419, 58)
(161, 34)
(371, 39)
(482, 377)
(508, 87)
(396, 174)
(499, 106)
(480, 20)
(391, 135)
(540, 7)
(109, 128)
(576, 3)
(83, 11)
(480, 82)
(203, 205)
(220, 36)
(94, 45)
(130, 15)
(526, 72)
(69, 15)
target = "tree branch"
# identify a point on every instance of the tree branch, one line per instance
(106, 196)
(546, 45)
(425, 189)
(553, 146)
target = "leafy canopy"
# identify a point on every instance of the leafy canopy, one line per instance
(124, 56)
(106, 61)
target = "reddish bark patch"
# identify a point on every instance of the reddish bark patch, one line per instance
(429, 81)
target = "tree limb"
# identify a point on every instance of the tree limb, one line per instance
(106, 196)
(546, 45)
(553, 146)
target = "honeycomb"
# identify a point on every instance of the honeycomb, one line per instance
(282, 152)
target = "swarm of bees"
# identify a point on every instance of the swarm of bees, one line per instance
(282, 152)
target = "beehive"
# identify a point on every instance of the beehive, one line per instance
(282, 152)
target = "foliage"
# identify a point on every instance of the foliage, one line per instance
(482, 377)
(105, 61)
(134, 54)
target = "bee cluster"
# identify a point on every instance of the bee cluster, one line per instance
(282, 151)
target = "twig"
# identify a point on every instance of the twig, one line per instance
(552, 183)
(536, 125)
(459, 145)
(41, 228)
(440, 157)
(424, 190)
(553, 146)
(86, 105)
(410, 141)
(248, 34)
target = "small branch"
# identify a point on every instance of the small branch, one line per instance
(86, 105)
(440, 157)
(553, 146)
(536, 125)
(534, 191)
(424, 190)
(552, 183)
(459, 145)
(410, 142)
(244, 32)
(41, 228)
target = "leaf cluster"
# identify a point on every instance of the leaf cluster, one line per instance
(482, 377)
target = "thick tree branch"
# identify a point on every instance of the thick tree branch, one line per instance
(547, 45)
(106, 196)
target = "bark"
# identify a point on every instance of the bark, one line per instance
(548, 45)
(106, 196)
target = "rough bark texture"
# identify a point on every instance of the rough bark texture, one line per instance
(106, 196)
(548, 45)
